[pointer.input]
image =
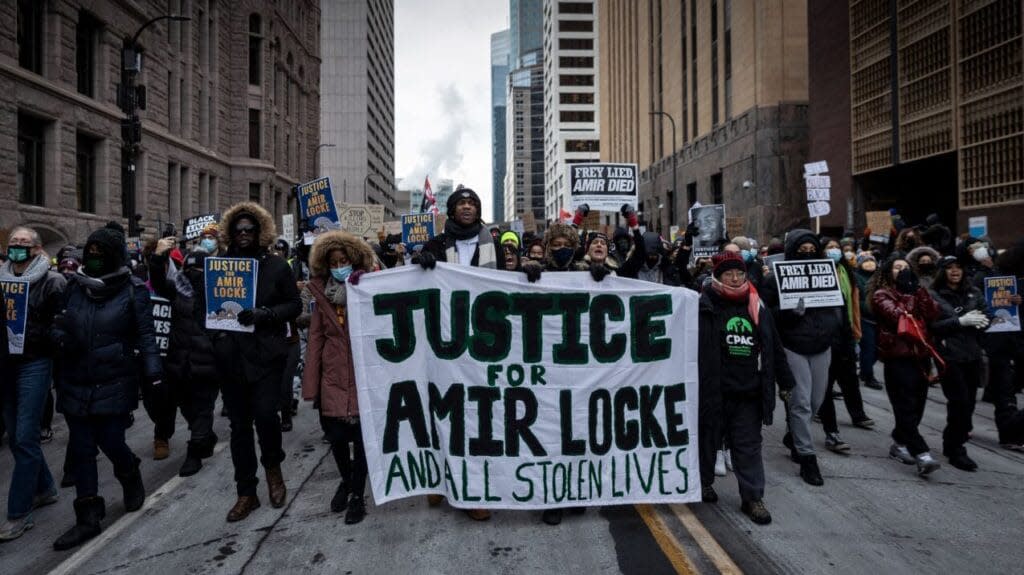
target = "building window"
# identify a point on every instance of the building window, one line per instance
(255, 50)
(714, 62)
(575, 8)
(575, 116)
(86, 33)
(575, 80)
(575, 25)
(693, 67)
(85, 173)
(254, 133)
(691, 193)
(576, 62)
(575, 98)
(716, 188)
(683, 76)
(30, 160)
(30, 35)
(575, 44)
(255, 192)
(727, 9)
(582, 146)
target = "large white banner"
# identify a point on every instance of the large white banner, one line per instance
(499, 393)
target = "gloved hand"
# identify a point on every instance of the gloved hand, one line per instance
(427, 260)
(353, 278)
(599, 271)
(580, 215)
(785, 394)
(975, 319)
(532, 270)
(630, 215)
(255, 316)
(800, 308)
(692, 231)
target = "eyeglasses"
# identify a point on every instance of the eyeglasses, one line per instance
(245, 230)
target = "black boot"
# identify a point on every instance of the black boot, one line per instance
(551, 516)
(286, 420)
(356, 510)
(205, 449)
(193, 463)
(340, 500)
(959, 459)
(68, 480)
(787, 440)
(134, 491)
(89, 511)
(809, 470)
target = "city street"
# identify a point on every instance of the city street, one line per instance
(873, 515)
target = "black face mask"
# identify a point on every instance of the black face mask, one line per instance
(95, 265)
(195, 277)
(805, 256)
(906, 281)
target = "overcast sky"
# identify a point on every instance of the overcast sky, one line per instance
(443, 90)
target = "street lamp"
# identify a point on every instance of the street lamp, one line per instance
(670, 119)
(132, 98)
(318, 148)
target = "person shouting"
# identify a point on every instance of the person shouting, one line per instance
(251, 365)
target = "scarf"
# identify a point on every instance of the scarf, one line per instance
(335, 292)
(183, 285)
(847, 289)
(105, 286)
(33, 273)
(745, 292)
(460, 233)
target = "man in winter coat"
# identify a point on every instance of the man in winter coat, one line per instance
(108, 345)
(465, 240)
(26, 378)
(190, 368)
(250, 365)
(739, 362)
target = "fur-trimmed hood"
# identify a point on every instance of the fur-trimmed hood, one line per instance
(560, 230)
(357, 250)
(915, 255)
(268, 231)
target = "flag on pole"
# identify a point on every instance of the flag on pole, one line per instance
(429, 203)
(564, 216)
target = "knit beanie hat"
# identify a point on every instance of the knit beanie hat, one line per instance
(110, 242)
(462, 194)
(725, 261)
(864, 257)
(510, 238)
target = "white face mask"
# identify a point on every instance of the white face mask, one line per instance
(980, 254)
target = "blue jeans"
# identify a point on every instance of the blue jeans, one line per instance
(24, 399)
(868, 349)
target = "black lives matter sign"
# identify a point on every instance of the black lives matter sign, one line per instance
(813, 281)
(603, 187)
(194, 226)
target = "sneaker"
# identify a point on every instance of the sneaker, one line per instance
(1013, 446)
(45, 499)
(551, 516)
(720, 463)
(728, 459)
(46, 435)
(835, 443)
(708, 494)
(901, 454)
(873, 384)
(757, 512)
(864, 423)
(14, 528)
(926, 464)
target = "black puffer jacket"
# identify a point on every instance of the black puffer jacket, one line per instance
(818, 329)
(954, 341)
(109, 346)
(190, 349)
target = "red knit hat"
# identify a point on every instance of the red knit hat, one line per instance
(725, 261)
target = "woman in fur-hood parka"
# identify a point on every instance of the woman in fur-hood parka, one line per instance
(359, 253)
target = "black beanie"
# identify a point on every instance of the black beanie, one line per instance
(462, 194)
(110, 241)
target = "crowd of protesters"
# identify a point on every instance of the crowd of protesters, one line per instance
(914, 302)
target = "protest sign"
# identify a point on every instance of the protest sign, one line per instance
(133, 245)
(194, 226)
(417, 229)
(500, 393)
(818, 209)
(815, 168)
(880, 223)
(673, 233)
(317, 209)
(16, 314)
(529, 223)
(977, 226)
(813, 281)
(393, 227)
(517, 227)
(711, 221)
(288, 227)
(162, 323)
(230, 288)
(1005, 315)
(603, 186)
(361, 220)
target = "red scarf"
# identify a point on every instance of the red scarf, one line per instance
(738, 294)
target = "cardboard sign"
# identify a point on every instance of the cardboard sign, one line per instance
(288, 227)
(880, 224)
(1005, 315)
(819, 194)
(977, 226)
(230, 288)
(517, 227)
(417, 229)
(194, 226)
(818, 209)
(16, 314)
(813, 281)
(162, 323)
(361, 220)
(603, 186)
(520, 414)
(317, 208)
(393, 227)
(815, 168)
(529, 223)
(711, 221)
(673, 233)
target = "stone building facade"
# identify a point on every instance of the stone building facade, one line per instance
(231, 110)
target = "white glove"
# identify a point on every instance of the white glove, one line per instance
(975, 319)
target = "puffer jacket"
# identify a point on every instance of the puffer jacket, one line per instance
(956, 342)
(889, 304)
(190, 349)
(109, 346)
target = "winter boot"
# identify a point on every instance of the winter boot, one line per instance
(89, 511)
(809, 470)
(193, 462)
(134, 491)
(356, 510)
(757, 512)
(551, 516)
(787, 440)
(161, 449)
(275, 487)
(340, 500)
(708, 494)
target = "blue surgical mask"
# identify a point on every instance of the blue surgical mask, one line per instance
(834, 254)
(341, 274)
(562, 256)
(208, 245)
(748, 255)
(17, 254)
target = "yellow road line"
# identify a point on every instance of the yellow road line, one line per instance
(707, 542)
(666, 540)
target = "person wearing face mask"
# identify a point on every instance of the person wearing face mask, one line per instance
(755, 267)
(622, 244)
(337, 260)
(107, 343)
(868, 349)
(958, 333)
(1005, 353)
(925, 262)
(27, 378)
(560, 241)
(894, 292)
(190, 366)
(282, 250)
(250, 365)
(808, 335)
(208, 241)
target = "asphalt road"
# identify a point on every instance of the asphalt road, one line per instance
(873, 515)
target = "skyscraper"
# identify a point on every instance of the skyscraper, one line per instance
(499, 76)
(526, 29)
(524, 179)
(357, 111)
(571, 133)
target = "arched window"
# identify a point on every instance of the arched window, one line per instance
(289, 60)
(255, 50)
